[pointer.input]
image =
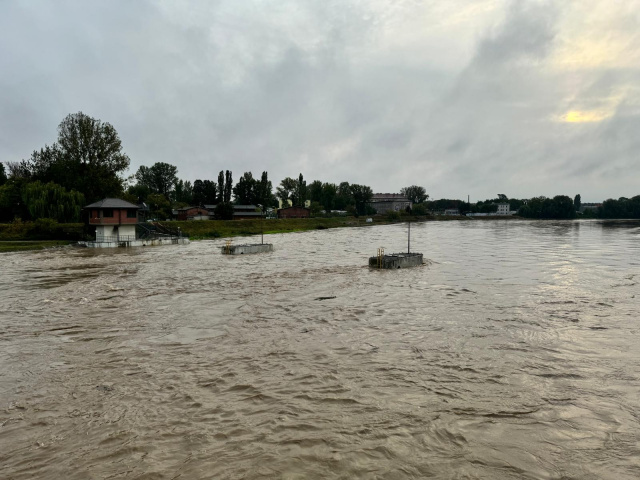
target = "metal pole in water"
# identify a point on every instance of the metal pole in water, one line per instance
(261, 224)
(408, 210)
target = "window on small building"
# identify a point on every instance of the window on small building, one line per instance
(107, 212)
(132, 213)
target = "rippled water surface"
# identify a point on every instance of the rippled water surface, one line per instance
(514, 353)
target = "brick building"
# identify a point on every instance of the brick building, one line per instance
(115, 219)
(294, 212)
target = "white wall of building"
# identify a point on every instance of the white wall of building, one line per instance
(111, 231)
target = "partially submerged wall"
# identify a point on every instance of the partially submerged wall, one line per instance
(396, 260)
(137, 243)
(247, 249)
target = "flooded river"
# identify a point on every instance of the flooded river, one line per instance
(514, 353)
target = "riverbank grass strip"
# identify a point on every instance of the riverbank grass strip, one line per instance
(19, 246)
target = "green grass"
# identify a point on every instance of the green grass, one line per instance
(232, 228)
(43, 229)
(201, 229)
(18, 246)
(40, 234)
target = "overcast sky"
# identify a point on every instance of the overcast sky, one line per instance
(463, 97)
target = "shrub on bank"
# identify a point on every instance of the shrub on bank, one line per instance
(41, 229)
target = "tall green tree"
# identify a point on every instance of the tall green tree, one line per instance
(204, 192)
(91, 153)
(210, 192)
(11, 204)
(159, 178)
(612, 208)
(159, 205)
(20, 169)
(362, 194)
(244, 190)
(88, 158)
(47, 164)
(224, 208)
(53, 201)
(263, 191)
(577, 202)
(344, 196)
(285, 190)
(183, 192)
(139, 192)
(329, 193)
(221, 185)
(558, 207)
(415, 193)
(228, 186)
(314, 191)
(299, 194)
(3, 174)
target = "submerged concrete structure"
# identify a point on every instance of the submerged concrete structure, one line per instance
(395, 260)
(250, 248)
(140, 242)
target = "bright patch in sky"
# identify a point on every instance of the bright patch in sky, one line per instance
(578, 116)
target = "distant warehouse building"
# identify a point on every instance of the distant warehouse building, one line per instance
(385, 202)
(589, 206)
(294, 212)
(246, 211)
(192, 213)
(239, 211)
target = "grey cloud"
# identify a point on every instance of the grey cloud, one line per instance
(319, 88)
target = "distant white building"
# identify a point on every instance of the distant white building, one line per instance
(503, 209)
(384, 202)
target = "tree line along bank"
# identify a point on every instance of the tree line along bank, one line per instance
(87, 163)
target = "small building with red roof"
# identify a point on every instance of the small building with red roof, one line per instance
(115, 220)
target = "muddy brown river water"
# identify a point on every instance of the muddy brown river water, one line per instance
(514, 353)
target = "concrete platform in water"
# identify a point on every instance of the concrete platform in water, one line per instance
(396, 260)
(247, 248)
(136, 243)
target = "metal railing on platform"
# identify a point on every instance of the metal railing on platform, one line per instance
(115, 238)
(156, 230)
